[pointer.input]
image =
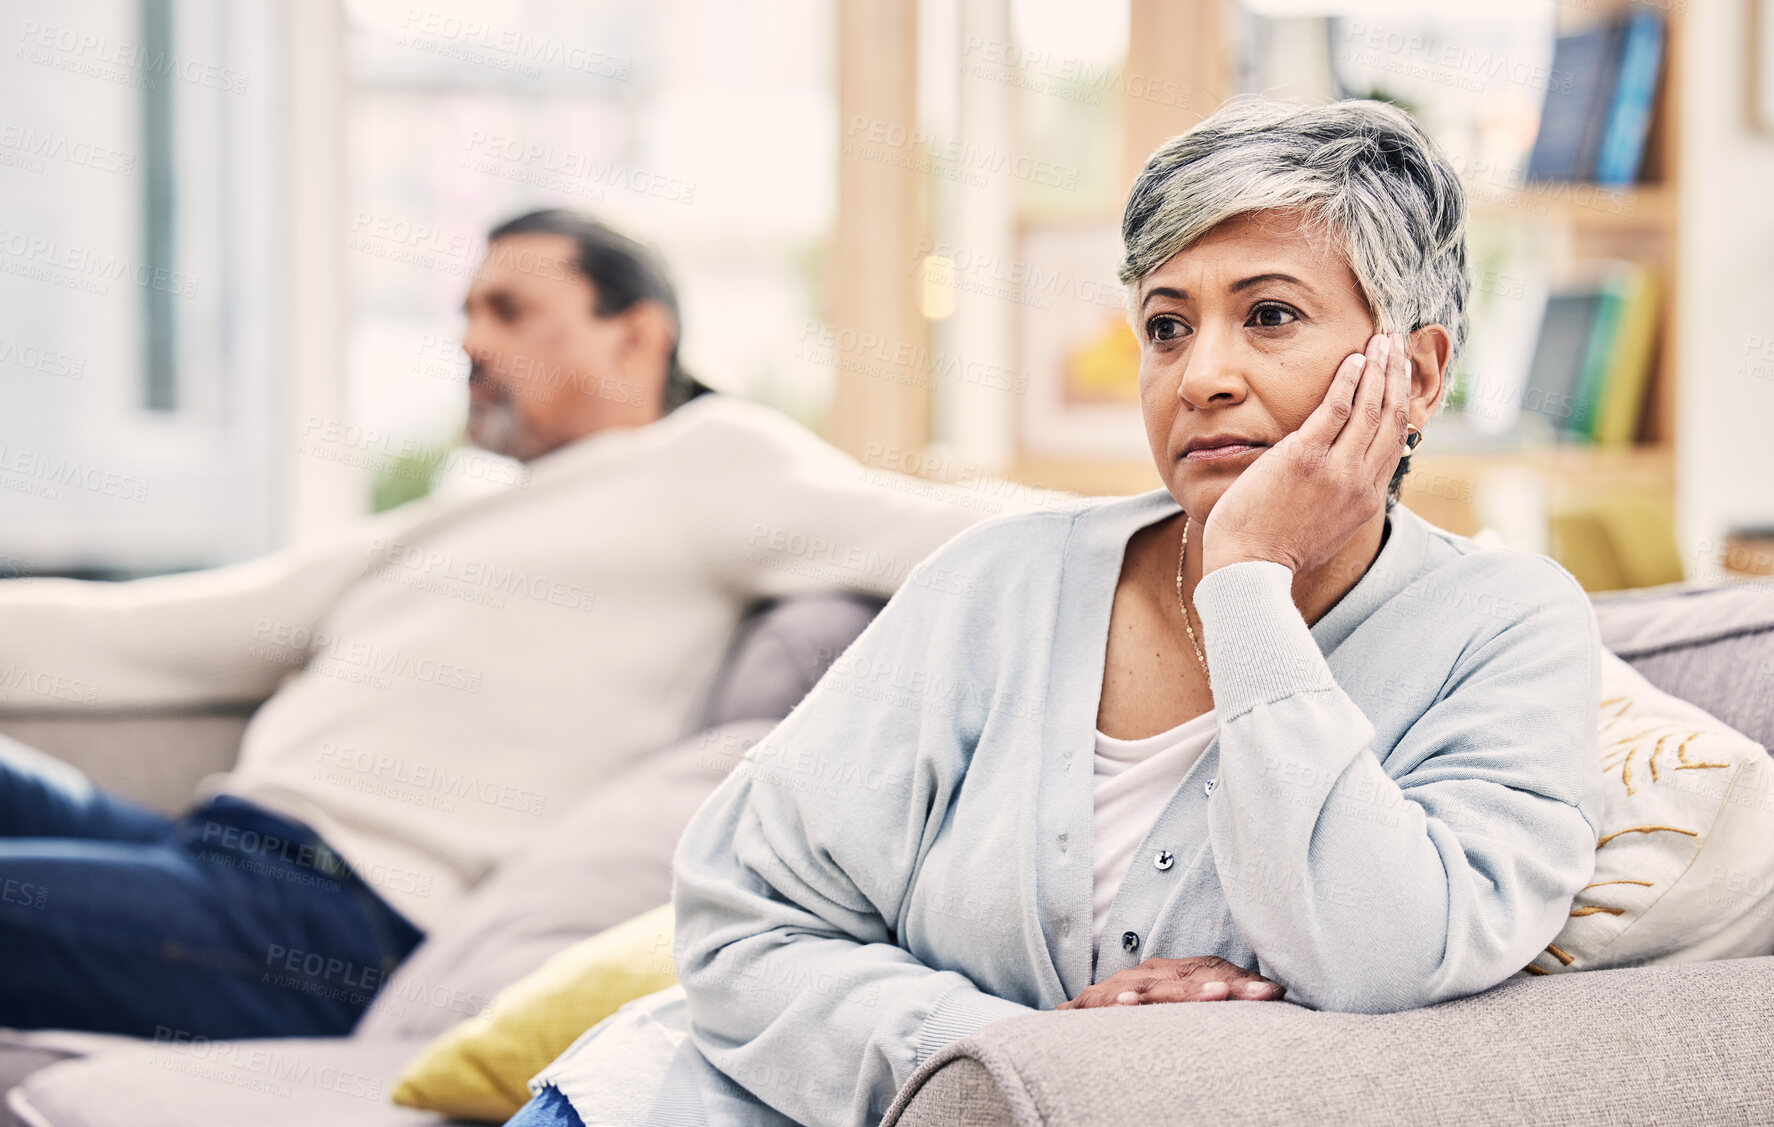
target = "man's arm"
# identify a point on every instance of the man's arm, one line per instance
(219, 636)
(1364, 893)
(781, 511)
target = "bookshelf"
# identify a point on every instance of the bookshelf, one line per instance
(1462, 481)
(1640, 223)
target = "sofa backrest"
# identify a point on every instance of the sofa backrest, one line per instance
(1711, 646)
(157, 757)
(780, 650)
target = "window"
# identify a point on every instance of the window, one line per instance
(138, 280)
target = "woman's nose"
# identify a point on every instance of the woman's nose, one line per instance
(1213, 373)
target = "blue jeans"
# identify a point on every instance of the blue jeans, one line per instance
(228, 922)
(547, 1108)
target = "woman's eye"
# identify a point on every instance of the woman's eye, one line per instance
(1164, 328)
(1272, 316)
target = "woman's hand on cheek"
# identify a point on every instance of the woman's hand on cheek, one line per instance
(1302, 499)
(1198, 978)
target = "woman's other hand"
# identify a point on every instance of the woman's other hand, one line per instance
(1303, 498)
(1198, 978)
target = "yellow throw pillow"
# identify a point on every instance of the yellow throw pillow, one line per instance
(1684, 862)
(479, 1069)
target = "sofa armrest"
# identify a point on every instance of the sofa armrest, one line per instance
(154, 758)
(1681, 1044)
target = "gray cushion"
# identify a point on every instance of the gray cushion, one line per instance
(1711, 646)
(1672, 1045)
(265, 1083)
(781, 650)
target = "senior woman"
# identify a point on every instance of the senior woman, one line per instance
(1263, 732)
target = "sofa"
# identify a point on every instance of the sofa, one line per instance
(606, 861)
(1671, 1044)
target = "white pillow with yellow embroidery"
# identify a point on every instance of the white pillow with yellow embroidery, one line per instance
(1684, 861)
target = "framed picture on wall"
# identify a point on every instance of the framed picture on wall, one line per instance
(1081, 357)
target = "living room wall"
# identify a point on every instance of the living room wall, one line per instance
(1725, 461)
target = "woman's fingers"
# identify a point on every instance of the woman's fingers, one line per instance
(1242, 989)
(1327, 419)
(1388, 440)
(1198, 990)
(1365, 412)
(1202, 978)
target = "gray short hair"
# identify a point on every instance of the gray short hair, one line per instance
(1362, 171)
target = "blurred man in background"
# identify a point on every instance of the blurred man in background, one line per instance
(443, 680)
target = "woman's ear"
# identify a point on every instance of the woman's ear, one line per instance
(1430, 347)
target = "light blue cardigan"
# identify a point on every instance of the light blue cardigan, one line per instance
(1398, 808)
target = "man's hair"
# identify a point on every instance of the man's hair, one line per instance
(1364, 173)
(622, 272)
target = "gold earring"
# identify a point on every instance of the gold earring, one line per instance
(1413, 438)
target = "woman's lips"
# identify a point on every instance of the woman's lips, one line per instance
(1219, 453)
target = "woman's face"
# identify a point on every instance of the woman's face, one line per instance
(1240, 335)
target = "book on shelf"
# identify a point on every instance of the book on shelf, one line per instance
(1597, 356)
(1629, 361)
(1557, 366)
(1635, 88)
(1592, 359)
(1597, 112)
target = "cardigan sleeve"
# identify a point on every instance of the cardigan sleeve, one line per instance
(791, 881)
(1368, 890)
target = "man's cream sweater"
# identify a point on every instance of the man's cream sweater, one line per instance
(446, 679)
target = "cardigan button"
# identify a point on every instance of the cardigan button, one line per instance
(1164, 860)
(1130, 940)
(1207, 787)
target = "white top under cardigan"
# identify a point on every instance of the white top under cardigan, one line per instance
(1134, 780)
(1406, 806)
(447, 678)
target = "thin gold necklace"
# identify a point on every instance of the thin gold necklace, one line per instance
(1184, 603)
